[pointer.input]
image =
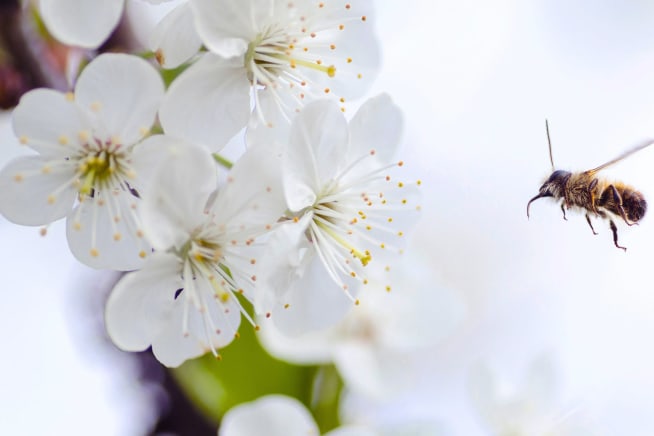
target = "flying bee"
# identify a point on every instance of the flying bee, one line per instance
(597, 196)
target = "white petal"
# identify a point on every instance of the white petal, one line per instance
(227, 27)
(49, 122)
(149, 154)
(280, 265)
(141, 303)
(371, 370)
(123, 91)
(312, 348)
(315, 152)
(356, 56)
(103, 232)
(377, 126)
(81, 22)
(314, 301)
(269, 122)
(272, 415)
(175, 39)
(253, 195)
(172, 346)
(175, 203)
(208, 103)
(31, 195)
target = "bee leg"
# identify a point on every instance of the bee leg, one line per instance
(590, 224)
(614, 229)
(563, 210)
(618, 201)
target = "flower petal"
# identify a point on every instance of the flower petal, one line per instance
(174, 205)
(226, 27)
(269, 122)
(49, 122)
(81, 23)
(257, 201)
(141, 303)
(377, 126)
(175, 39)
(208, 103)
(31, 194)
(272, 415)
(314, 301)
(317, 145)
(355, 53)
(103, 232)
(124, 91)
(173, 346)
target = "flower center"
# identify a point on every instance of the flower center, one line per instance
(101, 165)
(274, 56)
(204, 257)
(334, 223)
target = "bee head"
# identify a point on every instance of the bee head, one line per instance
(553, 186)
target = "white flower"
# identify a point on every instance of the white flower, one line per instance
(344, 210)
(83, 23)
(278, 415)
(85, 142)
(296, 51)
(526, 409)
(372, 346)
(184, 300)
(175, 40)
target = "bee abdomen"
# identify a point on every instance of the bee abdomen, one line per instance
(634, 204)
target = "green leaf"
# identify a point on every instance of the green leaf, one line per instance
(245, 372)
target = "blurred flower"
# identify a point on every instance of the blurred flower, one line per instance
(528, 409)
(344, 212)
(85, 141)
(373, 346)
(175, 40)
(296, 51)
(83, 23)
(184, 300)
(278, 415)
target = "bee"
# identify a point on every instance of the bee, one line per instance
(597, 196)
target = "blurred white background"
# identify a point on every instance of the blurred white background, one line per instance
(476, 79)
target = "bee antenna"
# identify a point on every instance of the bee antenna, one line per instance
(549, 142)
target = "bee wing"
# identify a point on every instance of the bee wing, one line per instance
(624, 155)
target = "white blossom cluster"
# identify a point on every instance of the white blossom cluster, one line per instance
(305, 218)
